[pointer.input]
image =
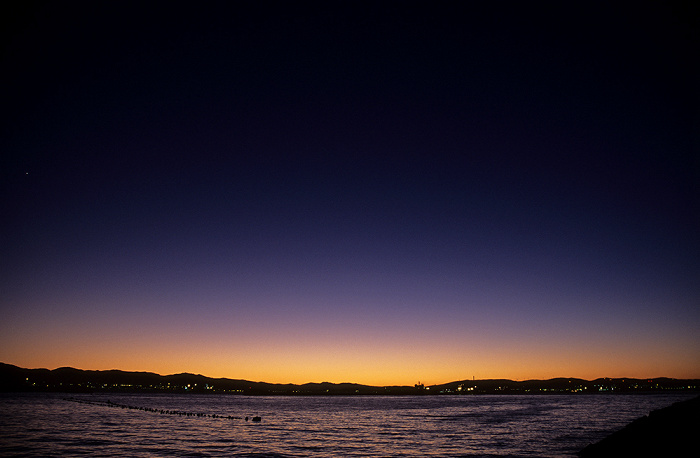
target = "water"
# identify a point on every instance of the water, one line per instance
(543, 425)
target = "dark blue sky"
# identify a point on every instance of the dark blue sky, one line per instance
(453, 175)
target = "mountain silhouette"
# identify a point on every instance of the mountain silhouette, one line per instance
(68, 379)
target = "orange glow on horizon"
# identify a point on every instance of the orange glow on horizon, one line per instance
(371, 353)
(378, 370)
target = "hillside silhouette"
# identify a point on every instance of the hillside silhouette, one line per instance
(68, 379)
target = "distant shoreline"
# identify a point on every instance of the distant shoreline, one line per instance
(70, 380)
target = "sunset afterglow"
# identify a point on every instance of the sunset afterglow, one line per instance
(380, 196)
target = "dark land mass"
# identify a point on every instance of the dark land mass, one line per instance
(70, 380)
(671, 431)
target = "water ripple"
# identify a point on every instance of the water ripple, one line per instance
(47, 425)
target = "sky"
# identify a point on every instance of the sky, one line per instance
(381, 193)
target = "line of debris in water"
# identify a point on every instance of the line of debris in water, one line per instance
(181, 413)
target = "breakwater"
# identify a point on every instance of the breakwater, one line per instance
(181, 413)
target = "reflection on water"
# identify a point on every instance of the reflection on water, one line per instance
(542, 425)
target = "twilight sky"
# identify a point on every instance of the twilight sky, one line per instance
(374, 192)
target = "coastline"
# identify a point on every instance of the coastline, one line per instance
(670, 431)
(71, 380)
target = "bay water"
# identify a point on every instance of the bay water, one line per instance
(147, 425)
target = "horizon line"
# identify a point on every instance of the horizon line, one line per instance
(348, 382)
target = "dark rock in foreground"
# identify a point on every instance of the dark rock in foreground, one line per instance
(671, 431)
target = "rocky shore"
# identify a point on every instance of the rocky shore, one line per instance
(671, 431)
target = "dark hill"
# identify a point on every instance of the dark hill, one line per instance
(68, 379)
